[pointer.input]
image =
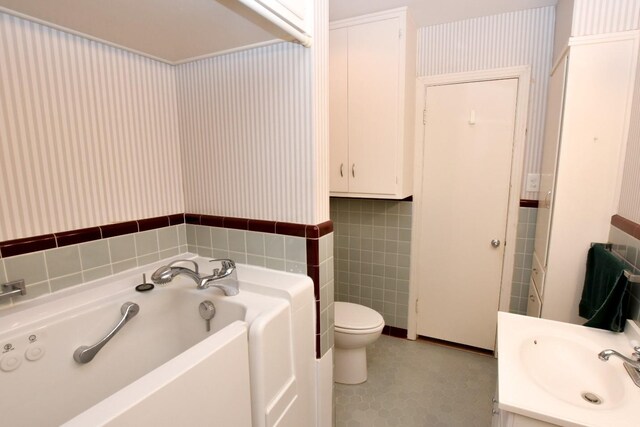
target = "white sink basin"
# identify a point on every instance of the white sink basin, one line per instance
(545, 369)
(567, 369)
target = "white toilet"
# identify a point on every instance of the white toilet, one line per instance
(356, 326)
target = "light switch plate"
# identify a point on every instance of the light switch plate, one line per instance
(533, 182)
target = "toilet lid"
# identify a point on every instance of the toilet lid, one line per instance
(356, 316)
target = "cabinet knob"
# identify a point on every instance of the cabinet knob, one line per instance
(495, 243)
(353, 170)
(342, 170)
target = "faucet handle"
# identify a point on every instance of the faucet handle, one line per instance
(636, 351)
(226, 263)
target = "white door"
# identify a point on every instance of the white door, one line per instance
(469, 138)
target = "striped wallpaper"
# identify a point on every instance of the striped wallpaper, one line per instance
(88, 133)
(509, 39)
(604, 16)
(320, 112)
(251, 144)
(91, 134)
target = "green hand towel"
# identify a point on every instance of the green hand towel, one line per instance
(604, 294)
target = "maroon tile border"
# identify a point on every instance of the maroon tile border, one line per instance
(313, 271)
(528, 203)
(313, 252)
(236, 223)
(317, 231)
(75, 237)
(394, 332)
(176, 219)
(192, 218)
(262, 226)
(119, 229)
(291, 229)
(630, 227)
(72, 237)
(29, 244)
(318, 355)
(211, 220)
(153, 223)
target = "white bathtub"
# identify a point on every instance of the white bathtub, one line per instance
(255, 366)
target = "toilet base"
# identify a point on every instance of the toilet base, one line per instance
(350, 365)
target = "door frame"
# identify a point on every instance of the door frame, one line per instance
(523, 74)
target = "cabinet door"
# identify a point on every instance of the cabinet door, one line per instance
(338, 111)
(534, 305)
(374, 64)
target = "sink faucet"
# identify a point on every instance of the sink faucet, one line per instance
(606, 354)
(166, 273)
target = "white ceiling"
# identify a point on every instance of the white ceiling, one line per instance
(169, 30)
(431, 12)
(177, 31)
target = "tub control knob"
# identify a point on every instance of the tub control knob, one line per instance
(34, 352)
(10, 362)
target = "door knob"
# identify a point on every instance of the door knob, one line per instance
(495, 243)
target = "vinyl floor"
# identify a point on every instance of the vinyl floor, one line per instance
(419, 384)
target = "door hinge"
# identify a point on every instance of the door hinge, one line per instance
(417, 306)
(400, 33)
(424, 116)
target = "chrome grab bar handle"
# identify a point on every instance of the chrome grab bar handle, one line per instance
(17, 287)
(85, 354)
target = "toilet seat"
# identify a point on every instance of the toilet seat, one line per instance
(356, 318)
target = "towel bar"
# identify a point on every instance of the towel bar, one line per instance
(630, 275)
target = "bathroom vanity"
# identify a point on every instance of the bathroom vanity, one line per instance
(549, 374)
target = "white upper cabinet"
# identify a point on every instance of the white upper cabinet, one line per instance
(371, 104)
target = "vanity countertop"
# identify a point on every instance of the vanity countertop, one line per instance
(546, 367)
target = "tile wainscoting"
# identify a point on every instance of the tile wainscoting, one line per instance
(372, 256)
(525, 240)
(372, 253)
(53, 262)
(51, 270)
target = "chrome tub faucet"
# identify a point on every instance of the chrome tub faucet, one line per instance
(166, 273)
